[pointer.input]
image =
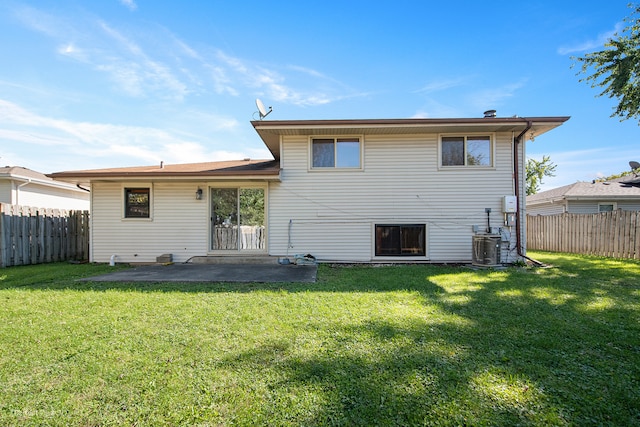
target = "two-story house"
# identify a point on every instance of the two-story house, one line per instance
(395, 190)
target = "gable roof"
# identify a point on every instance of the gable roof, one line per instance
(616, 189)
(271, 130)
(22, 174)
(262, 169)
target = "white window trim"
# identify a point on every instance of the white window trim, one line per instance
(123, 208)
(492, 141)
(334, 168)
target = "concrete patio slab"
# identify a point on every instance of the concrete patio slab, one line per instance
(259, 273)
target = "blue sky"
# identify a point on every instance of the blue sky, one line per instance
(114, 83)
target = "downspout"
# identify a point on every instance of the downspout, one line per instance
(516, 172)
(28, 181)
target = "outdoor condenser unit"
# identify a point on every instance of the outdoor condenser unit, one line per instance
(486, 250)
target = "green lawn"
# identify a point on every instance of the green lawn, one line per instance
(394, 345)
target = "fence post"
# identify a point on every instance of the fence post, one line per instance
(4, 252)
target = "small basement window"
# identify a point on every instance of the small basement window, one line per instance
(336, 152)
(137, 203)
(400, 240)
(606, 207)
(466, 150)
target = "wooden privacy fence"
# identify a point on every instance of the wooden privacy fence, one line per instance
(31, 235)
(611, 234)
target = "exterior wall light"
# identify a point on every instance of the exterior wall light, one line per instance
(199, 194)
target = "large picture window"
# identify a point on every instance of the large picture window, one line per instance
(466, 150)
(400, 240)
(335, 152)
(137, 203)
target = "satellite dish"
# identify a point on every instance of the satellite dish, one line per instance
(634, 165)
(261, 110)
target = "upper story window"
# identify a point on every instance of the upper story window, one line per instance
(336, 152)
(137, 203)
(466, 150)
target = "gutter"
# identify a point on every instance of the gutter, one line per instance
(516, 171)
(29, 180)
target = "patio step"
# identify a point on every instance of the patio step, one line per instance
(234, 259)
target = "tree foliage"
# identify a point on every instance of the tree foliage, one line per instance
(536, 170)
(615, 176)
(616, 69)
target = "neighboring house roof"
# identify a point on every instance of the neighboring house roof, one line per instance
(271, 130)
(616, 189)
(22, 174)
(264, 169)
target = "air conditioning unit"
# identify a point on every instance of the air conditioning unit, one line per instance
(485, 250)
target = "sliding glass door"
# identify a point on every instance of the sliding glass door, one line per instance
(237, 219)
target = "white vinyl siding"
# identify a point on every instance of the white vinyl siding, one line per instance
(582, 206)
(43, 196)
(179, 223)
(332, 216)
(329, 215)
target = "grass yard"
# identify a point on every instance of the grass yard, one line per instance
(395, 345)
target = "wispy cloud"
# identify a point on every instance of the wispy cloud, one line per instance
(129, 4)
(434, 108)
(494, 97)
(444, 84)
(140, 69)
(593, 44)
(136, 71)
(464, 103)
(41, 21)
(274, 84)
(87, 142)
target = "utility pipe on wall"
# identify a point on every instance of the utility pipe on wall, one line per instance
(516, 170)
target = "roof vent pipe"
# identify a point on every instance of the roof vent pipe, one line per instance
(490, 114)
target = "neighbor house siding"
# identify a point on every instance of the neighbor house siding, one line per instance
(179, 223)
(42, 196)
(5, 192)
(331, 214)
(591, 206)
(45, 196)
(546, 208)
(582, 207)
(629, 205)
